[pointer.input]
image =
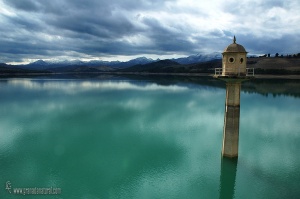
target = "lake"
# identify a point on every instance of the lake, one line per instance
(146, 137)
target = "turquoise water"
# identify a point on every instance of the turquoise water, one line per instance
(122, 138)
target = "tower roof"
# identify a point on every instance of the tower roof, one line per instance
(234, 47)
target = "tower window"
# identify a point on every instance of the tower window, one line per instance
(241, 60)
(231, 59)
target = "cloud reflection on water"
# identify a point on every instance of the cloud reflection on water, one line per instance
(79, 86)
(151, 130)
(134, 137)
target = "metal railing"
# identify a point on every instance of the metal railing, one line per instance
(233, 72)
(218, 71)
(249, 71)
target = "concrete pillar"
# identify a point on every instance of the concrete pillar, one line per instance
(231, 119)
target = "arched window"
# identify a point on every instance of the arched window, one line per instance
(241, 60)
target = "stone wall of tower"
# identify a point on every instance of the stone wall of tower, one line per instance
(231, 119)
(234, 64)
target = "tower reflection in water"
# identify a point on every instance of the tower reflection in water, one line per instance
(230, 146)
(227, 178)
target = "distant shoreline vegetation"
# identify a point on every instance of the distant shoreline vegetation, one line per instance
(277, 55)
(263, 65)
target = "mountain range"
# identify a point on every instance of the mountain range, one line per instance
(192, 64)
(57, 65)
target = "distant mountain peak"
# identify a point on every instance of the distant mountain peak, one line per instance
(39, 62)
(141, 58)
(199, 57)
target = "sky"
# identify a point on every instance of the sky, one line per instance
(126, 29)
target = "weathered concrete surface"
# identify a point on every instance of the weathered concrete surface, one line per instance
(231, 120)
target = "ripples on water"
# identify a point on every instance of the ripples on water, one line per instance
(146, 139)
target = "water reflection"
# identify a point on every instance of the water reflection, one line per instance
(144, 139)
(230, 144)
(87, 85)
(120, 138)
(228, 177)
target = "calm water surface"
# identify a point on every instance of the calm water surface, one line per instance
(144, 139)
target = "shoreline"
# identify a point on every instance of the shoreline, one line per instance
(258, 76)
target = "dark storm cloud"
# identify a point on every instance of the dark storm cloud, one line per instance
(102, 26)
(91, 27)
(32, 29)
(22, 23)
(283, 45)
(167, 38)
(89, 17)
(23, 5)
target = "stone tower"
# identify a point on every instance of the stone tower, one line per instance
(233, 72)
(234, 60)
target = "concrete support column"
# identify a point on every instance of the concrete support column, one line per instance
(231, 119)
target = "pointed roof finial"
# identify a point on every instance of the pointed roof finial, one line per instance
(234, 39)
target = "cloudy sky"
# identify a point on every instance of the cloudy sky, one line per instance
(126, 29)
